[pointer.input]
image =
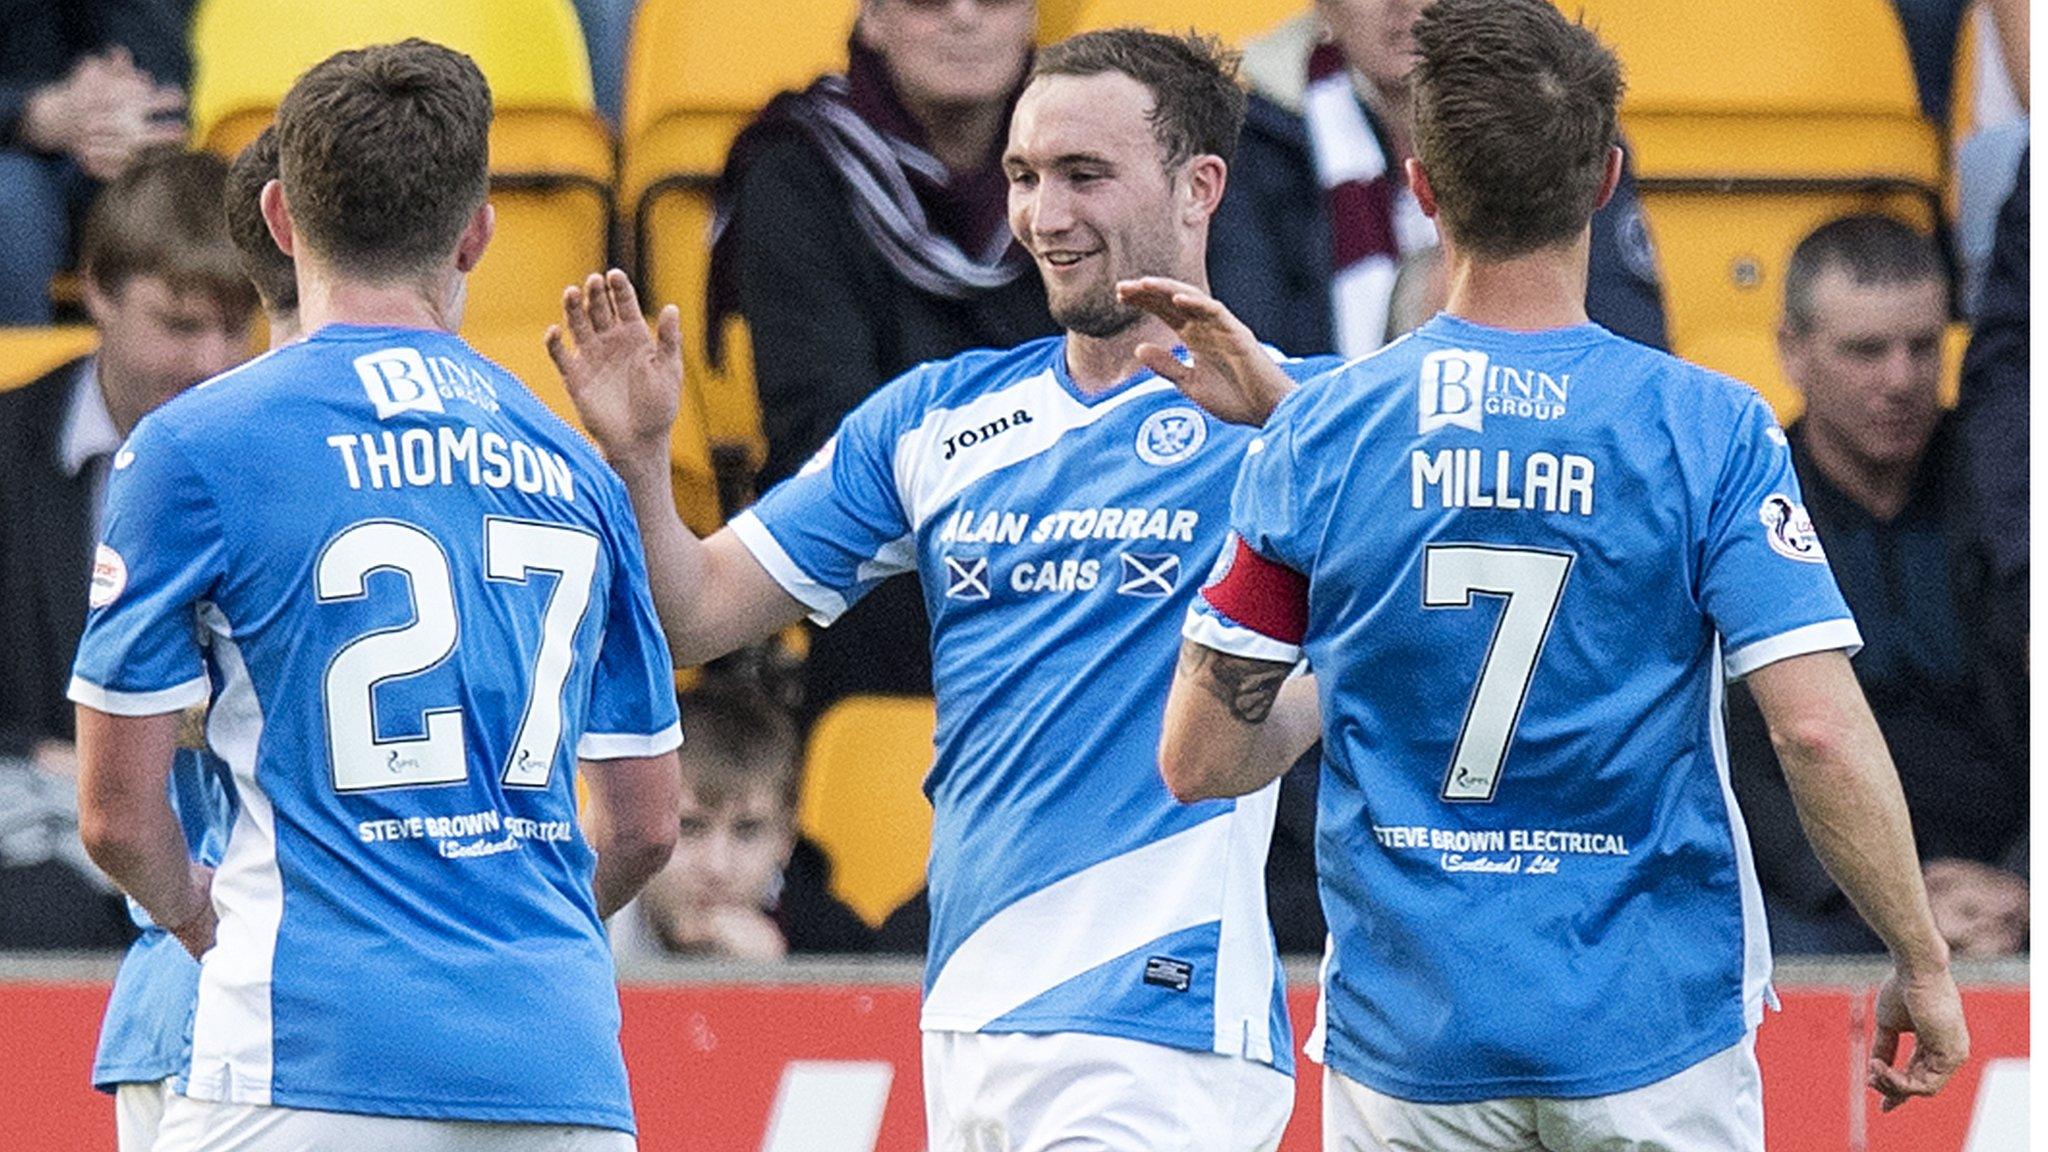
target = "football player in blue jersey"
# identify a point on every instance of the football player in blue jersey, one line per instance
(1100, 970)
(1520, 555)
(414, 603)
(143, 1038)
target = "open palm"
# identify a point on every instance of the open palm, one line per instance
(624, 380)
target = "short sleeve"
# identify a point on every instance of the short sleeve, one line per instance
(632, 710)
(1256, 602)
(1765, 582)
(838, 527)
(160, 554)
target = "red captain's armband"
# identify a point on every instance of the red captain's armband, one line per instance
(1267, 597)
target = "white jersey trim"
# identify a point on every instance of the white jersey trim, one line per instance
(176, 698)
(628, 745)
(233, 1053)
(1245, 956)
(1756, 940)
(1825, 636)
(926, 480)
(825, 605)
(1210, 631)
(1014, 957)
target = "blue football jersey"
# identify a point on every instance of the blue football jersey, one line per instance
(423, 599)
(1531, 560)
(1059, 538)
(146, 1034)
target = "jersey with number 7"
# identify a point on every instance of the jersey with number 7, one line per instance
(1521, 565)
(414, 598)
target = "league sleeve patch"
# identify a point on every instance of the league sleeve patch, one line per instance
(1790, 530)
(109, 577)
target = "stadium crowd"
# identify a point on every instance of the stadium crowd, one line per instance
(861, 225)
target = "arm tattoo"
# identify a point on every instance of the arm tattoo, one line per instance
(1245, 686)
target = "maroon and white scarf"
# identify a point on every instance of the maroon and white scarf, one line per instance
(1374, 218)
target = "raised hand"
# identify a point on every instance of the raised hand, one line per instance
(1229, 372)
(624, 380)
(1932, 1010)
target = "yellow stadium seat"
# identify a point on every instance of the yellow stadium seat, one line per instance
(551, 155)
(1723, 259)
(863, 799)
(1058, 19)
(685, 101)
(26, 354)
(520, 351)
(1761, 88)
(1235, 21)
(1799, 113)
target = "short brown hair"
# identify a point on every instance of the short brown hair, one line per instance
(737, 739)
(262, 261)
(1515, 111)
(162, 217)
(385, 154)
(1197, 103)
(1872, 249)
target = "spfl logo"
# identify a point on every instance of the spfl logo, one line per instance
(1790, 530)
(397, 381)
(1171, 435)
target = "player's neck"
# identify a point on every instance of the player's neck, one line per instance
(1541, 290)
(325, 300)
(1097, 364)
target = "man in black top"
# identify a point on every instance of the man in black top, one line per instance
(1865, 307)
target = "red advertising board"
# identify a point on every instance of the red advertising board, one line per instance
(757, 1067)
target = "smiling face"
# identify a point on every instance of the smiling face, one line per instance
(1092, 200)
(951, 53)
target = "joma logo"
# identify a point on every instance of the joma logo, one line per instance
(969, 437)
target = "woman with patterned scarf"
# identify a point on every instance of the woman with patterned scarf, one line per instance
(861, 230)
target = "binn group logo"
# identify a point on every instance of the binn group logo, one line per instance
(1450, 385)
(397, 381)
(1460, 387)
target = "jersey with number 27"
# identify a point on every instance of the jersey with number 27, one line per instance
(1520, 565)
(414, 598)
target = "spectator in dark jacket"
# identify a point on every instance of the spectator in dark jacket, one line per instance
(1317, 216)
(1865, 307)
(742, 883)
(862, 231)
(85, 85)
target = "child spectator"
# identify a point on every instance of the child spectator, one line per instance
(743, 884)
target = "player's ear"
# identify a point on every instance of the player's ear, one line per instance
(1207, 176)
(1610, 179)
(483, 224)
(277, 216)
(1418, 182)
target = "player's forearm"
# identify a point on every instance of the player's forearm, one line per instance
(634, 817)
(1232, 725)
(1847, 794)
(124, 818)
(675, 556)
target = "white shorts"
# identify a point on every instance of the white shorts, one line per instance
(205, 1126)
(138, 1112)
(1717, 1105)
(1075, 1092)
